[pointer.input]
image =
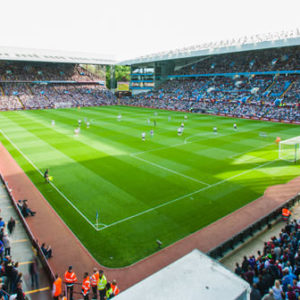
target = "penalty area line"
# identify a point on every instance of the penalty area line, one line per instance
(52, 184)
(185, 196)
(169, 170)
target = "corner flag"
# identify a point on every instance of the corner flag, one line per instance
(97, 216)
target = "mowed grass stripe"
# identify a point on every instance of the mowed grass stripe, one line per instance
(139, 204)
(206, 157)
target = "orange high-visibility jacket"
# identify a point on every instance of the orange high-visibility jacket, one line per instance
(86, 286)
(94, 279)
(285, 212)
(70, 277)
(57, 287)
(115, 289)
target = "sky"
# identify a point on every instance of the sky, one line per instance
(130, 28)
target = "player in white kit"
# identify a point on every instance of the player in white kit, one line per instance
(76, 131)
(143, 136)
(179, 131)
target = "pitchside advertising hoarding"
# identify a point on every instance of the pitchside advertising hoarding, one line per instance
(123, 86)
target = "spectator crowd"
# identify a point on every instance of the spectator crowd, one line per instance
(42, 85)
(261, 96)
(10, 277)
(274, 273)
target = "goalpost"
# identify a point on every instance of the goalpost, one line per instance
(289, 150)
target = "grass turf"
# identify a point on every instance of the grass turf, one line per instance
(163, 188)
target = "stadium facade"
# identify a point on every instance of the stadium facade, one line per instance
(150, 71)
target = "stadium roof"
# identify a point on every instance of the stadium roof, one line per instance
(246, 43)
(194, 276)
(39, 55)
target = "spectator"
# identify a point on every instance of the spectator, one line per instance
(19, 292)
(2, 223)
(11, 225)
(255, 293)
(269, 295)
(277, 290)
(34, 272)
(47, 251)
(26, 211)
(6, 244)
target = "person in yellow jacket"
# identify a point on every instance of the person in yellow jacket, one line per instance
(56, 291)
(102, 285)
(109, 292)
(86, 285)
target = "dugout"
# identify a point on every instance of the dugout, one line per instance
(194, 276)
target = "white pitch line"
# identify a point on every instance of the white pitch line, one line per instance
(184, 196)
(169, 170)
(24, 155)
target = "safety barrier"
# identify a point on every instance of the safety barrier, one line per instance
(249, 231)
(34, 242)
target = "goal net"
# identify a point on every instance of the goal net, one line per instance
(289, 150)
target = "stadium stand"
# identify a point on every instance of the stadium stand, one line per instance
(256, 84)
(38, 85)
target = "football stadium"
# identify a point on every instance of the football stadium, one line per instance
(143, 189)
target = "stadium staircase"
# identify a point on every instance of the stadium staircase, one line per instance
(46, 97)
(29, 89)
(2, 91)
(288, 88)
(19, 99)
(270, 86)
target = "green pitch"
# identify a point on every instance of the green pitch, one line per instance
(165, 187)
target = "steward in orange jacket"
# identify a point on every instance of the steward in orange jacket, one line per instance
(56, 291)
(286, 214)
(94, 282)
(70, 278)
(86, 286)
(115, 288)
